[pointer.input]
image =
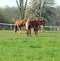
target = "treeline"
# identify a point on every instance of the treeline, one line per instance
(35, 10)
(9, 14)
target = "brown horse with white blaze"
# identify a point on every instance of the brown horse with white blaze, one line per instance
(19, 24)
(31, 24)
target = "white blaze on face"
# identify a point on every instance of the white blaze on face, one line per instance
(27, 24)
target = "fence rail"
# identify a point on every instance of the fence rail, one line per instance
(7, 26)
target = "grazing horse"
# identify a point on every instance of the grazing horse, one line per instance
(19, 24)
(42, 23)
(31, 24)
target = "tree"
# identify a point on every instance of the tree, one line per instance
(39, 6)
(57, 11)
(21, 7)
(43, 8)
(2, 16)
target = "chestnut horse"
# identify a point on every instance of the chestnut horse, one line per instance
(19, 24)
(42, 23)
(31, 24)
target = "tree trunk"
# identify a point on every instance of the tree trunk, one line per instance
(21, 7)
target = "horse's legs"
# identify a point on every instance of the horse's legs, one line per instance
(42, 28)
(19, 28)
(27, 31)
(15, 29)
(36, 31)
(30, 32)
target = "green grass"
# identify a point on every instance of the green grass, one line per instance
(18, 47)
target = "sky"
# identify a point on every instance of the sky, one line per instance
(4, 3)
(10, 3)
(58, 2)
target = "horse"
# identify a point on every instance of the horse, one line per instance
(42, 23)
(19, 24)
(31, 24)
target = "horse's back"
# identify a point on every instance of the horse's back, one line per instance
(20, 22)
(31, 23)
(42, 22)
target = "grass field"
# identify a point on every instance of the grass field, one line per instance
(45, 47)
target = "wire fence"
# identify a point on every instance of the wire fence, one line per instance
(6, 26)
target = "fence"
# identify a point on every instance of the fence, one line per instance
(5, 26)
(53, 28)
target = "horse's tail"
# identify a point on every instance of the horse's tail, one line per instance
(15, 28)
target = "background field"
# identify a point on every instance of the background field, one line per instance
(45, 47)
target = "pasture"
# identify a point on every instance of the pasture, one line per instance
(45, 47)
